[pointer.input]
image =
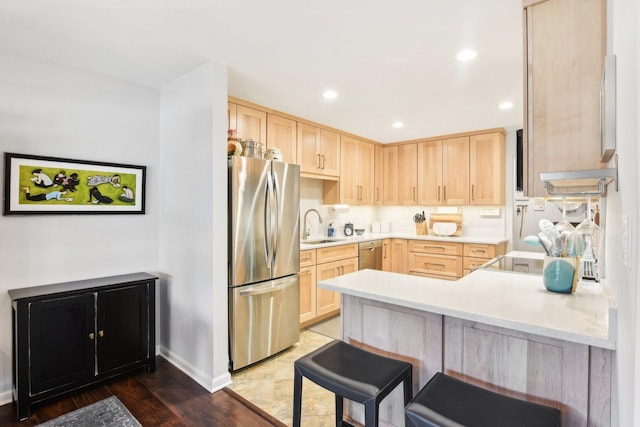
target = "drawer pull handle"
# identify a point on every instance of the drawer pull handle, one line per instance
(434, 265)
(101, 333)
(92, 336)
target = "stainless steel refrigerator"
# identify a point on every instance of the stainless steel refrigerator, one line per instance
(264, 258)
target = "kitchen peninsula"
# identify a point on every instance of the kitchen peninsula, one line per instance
(499, 330)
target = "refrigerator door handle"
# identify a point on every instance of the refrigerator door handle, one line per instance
(268, 220)
(266, 289)
(276, 212)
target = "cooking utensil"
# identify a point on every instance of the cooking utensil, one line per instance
(545, 242)
(532, 240)
(546, 227)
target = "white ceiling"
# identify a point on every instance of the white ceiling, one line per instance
(388, 60)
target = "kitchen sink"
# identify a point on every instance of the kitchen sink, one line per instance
(320, 241)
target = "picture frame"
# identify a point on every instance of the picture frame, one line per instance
(52, 185)
(608, 109)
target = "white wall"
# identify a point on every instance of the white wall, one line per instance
(193, 224)
(53, 110)
(623, 276)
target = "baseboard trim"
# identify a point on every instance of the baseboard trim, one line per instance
(212, 384)
(6, 397)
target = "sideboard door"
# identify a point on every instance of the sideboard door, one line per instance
(62, 344)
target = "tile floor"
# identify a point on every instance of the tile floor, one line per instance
(269, 384)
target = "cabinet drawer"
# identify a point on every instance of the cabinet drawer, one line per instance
(435, 247)
(441, 265)
(479, 250)
(334, 253)
(307, 258)
(473, 263)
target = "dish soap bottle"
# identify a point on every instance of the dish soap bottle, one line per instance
(331, 231)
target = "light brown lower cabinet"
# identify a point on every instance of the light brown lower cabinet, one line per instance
(476, 254)
(321, 264)
(449, 260)
(307, 285)
(436, 259)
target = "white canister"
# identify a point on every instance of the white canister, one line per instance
(273, 154)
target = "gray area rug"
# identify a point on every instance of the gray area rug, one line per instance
(109, 412)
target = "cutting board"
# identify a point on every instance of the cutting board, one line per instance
(456, 218)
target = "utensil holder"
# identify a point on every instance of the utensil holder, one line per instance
(421, 228)
(560, 274)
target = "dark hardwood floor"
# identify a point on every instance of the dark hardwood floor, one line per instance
(166, 397)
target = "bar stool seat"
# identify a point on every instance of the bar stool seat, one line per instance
(449, 402)
(352, 373)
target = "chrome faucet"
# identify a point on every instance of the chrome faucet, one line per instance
(306, 233)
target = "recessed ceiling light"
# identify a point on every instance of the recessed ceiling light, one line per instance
(398, 125)
(330, 94)
(505, 105)
(466, 55)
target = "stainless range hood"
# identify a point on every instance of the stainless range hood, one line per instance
(592, 182)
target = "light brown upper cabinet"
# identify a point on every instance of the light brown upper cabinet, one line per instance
(430, 173)
(282, 133)
(486, 169)
(249, 123)
(564, 50)
(400, 169)
(443, 172)
(231, 115)
(318, 152)
(455, 171)
(356, 171)
(408, 176)
(379, 175)
(390, 173)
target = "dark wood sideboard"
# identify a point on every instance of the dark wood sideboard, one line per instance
(69, 335)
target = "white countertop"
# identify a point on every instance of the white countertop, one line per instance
(343, 240)
(510, 300)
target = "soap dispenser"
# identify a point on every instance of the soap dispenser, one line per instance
(331, 231)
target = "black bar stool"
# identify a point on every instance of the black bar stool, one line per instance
(449, 402)
(352, 373)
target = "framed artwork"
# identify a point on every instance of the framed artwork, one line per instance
(51, 185)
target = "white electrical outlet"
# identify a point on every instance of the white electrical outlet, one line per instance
(538, 204)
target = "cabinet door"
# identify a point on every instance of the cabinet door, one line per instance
(61, 342)
(231, 116)
(379, 175)
(399, 252)
(327, 301)
(330, 152)
(309, 149)
(282, 133)
(390, 171)
(430, 173)
(349, 184)
(366, 172)
(455, 166)
(486, 169)
(251, 124)
(307, 293)
(123, 325)
(565, 45)
(386, 255)
(408, 176)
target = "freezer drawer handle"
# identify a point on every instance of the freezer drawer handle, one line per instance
(265, 290)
